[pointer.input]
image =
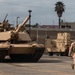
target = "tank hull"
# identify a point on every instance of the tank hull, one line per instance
(24, 52)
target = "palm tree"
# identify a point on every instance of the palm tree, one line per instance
(59, 8)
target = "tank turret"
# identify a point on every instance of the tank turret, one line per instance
(18, 45)
(17, 34)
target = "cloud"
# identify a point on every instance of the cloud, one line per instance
(42, 10)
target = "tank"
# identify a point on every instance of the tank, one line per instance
(16, 43)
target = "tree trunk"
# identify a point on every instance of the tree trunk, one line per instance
(59, 22)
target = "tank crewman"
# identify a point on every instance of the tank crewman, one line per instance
(72, 53)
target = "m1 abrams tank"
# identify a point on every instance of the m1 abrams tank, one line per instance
(17, 43)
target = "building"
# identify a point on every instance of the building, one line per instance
(43, 31)
(63, 25)
(48, 26)
(68, 25)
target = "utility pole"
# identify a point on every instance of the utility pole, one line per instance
(29, 21)
(17, 21)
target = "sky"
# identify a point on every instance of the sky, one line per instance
(43, 11)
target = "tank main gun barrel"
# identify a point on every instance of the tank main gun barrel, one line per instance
(22, 24)
(3, 23)
(5, 18)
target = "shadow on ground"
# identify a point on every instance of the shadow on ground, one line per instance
(22, 61)
(49, 61)
(44, 59)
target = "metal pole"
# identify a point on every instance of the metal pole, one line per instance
(59, 22)
(37, 35)
(29, 21)
(17, 21)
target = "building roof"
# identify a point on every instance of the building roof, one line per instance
(49, 26)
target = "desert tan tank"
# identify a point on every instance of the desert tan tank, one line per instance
(18, 45)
